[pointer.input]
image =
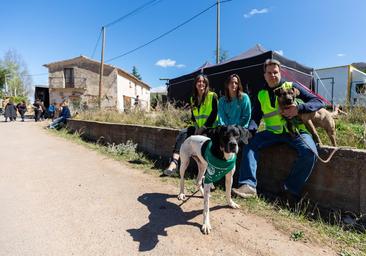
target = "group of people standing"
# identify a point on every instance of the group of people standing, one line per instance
(236, 108)
(10, 110)
(40, 111)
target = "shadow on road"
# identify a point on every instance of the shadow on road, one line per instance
(163, 214)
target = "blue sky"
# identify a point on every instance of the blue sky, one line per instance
(315, 33)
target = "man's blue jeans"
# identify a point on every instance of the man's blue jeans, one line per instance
(302, 166)
(57, 122)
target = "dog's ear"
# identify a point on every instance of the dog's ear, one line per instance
(296, 91)
(245, 135)
(213, 133)
(277, 91)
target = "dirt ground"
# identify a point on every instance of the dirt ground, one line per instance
(59, 198)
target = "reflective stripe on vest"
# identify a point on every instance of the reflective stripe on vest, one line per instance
(204, 111)
(273, 121)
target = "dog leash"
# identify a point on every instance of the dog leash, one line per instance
(315, 153)
(189, 197)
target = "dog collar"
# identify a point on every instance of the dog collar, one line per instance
(216, 167)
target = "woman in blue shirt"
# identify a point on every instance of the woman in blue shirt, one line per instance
(234, 107)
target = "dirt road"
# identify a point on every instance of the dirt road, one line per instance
(59, 198)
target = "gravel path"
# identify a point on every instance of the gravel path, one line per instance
(59, 198)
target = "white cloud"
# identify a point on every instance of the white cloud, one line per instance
(255, 12)
(168, 63)
(341, 54)
(280, 52)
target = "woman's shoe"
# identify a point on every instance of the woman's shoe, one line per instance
(171, 172)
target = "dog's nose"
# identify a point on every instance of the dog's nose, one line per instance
(289, 101)
(232, 146)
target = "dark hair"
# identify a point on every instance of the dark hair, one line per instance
(240, 87)
(196, 100)
(270, 62)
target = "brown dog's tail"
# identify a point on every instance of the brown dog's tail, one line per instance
(329, 157)
(337, 111)
(317, 155)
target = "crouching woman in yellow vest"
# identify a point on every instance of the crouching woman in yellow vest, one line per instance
(204, 115)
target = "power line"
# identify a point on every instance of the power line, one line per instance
(135, 11)
(96, 45)
(132, 12)
(166, 33)
(40, 74)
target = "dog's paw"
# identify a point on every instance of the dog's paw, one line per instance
(206, 229)
(182, 197)
(201, 190)
(234, 205)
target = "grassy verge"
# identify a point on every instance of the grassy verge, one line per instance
(295, 223)
(351, 128)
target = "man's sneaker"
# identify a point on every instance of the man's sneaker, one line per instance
(170, 172)
(245, 191)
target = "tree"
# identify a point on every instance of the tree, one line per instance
(3, 73)
(16, 76)
(224, 55)
(136, 73)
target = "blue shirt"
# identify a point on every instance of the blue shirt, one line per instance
(235, 111)
(65, 113)
(51, 108)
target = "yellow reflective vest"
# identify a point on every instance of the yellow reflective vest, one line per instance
(273, 120)
(203, 112)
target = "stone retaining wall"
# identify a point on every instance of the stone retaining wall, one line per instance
(339, 184)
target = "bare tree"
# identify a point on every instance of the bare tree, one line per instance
(224, 54)
(16, 77)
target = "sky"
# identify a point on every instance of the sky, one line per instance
(317, 34)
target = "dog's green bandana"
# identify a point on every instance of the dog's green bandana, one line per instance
(216, 168)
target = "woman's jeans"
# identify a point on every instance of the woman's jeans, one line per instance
(302, 166)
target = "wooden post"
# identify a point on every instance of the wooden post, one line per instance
(218, 33)
(101, 69)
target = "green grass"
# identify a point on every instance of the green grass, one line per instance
(351, 128)
(167, 116)
(295, 223)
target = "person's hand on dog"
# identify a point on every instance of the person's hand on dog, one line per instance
(290, 111)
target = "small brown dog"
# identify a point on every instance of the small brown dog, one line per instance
(321, 118)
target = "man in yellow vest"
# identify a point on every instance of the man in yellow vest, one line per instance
(266, 106)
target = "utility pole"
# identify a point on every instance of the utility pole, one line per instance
(218, 33)
(101, 68)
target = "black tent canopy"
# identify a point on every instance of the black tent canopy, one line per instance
(248, 65)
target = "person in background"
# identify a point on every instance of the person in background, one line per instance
(51, 111)
(137, 103)
(266, 107)
(43, 111)
(234, 107)
(10, 111)
(203, 105)
(1, 106)
(37, 110)
(64, 115)
(22, 108)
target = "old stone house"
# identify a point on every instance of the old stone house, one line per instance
(77, 80)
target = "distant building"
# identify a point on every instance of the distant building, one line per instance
(77, 79)
(341, 85)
